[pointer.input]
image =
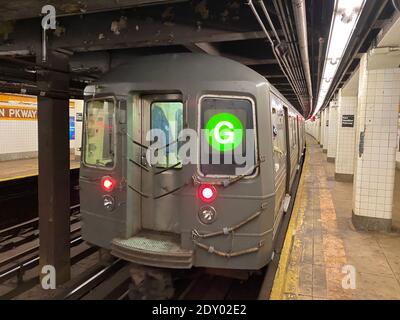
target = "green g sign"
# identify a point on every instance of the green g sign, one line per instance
(224, 132)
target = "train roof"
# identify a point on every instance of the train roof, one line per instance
(181, 67)
(184, 68)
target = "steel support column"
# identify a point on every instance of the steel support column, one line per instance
(54, 189)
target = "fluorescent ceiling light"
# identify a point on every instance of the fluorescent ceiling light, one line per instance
(344, 21)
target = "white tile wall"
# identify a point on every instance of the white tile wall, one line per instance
(398, 143)
(313, 128)
(326, 129)
(332, 130)
(18, 136)
(379, 98)
(78, 127)
(322, 131)
(345, 136)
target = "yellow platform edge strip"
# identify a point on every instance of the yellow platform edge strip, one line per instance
(281, 274)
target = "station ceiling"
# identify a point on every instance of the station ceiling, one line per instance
(99, 35)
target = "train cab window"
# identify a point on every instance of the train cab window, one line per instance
(99, 133)
(168, 117)
(228, 143)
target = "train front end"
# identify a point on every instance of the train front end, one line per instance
(175, 174)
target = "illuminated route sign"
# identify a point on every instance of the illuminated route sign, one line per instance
(224, 132)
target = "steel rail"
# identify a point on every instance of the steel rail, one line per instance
(31, 262)
(28, 225)
(87, 284)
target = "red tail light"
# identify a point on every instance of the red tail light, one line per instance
(207, 193)
(107, 183)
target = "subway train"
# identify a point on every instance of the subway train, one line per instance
(146, 204)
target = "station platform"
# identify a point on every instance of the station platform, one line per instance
(322, 248)
(24, 168)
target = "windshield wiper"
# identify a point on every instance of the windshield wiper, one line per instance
(169, 168)
(230, 181)
(137, 143)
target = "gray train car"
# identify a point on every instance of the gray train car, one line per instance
(199, 213)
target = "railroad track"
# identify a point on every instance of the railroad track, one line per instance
(27, 231)
(20, 246)
(213, 287)
(100, 282)
(17, 264)
(112, 282)
(23, 286)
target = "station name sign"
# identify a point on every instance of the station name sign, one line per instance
(347, 121)
(17, 113)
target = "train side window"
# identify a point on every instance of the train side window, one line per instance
(99, 133)
(293, 135)
(228, 143)
(168, 117)
(278, 135)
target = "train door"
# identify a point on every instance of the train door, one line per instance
(288, 150)
(279, 153)
(161, 122)
(299, 139)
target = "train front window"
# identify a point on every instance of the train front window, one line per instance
(99, 133)
(167, 118)
(227, 146)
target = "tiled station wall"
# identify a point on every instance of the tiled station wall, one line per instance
(348, 105)
(377, 119)
(346, 136)
(398, 144)
(18, 126)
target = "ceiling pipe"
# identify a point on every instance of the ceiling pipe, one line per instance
(289, 51)
(286, 62)
(274, 50)
(299, 8)
(287, 25)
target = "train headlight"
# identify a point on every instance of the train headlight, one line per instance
(207, 215)
(109, 203)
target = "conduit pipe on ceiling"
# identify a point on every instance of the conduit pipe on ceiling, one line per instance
(291, 70)
(274, 49)
(299, 8)
(292, 50)
(288, 64)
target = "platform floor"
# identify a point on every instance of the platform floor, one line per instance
(321, 241)
(18, 169)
